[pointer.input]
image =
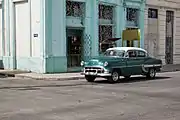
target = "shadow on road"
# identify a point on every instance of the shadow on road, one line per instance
(133, 79)
(38, 87)
(4, 76)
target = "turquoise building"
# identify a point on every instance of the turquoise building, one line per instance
(64, 32)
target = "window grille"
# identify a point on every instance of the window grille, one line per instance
(105, 30)
(152, 13)
(132, 14)
(75, 9)
(105, 12)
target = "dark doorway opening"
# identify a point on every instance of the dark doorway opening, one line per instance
(169, 37)
(74, 48)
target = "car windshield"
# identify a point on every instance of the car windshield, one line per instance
(117, 53)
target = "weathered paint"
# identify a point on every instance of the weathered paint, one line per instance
(35, 32)
(156, 44)
(20, 49)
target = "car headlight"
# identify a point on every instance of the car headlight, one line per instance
(105, 64)
(82, 63)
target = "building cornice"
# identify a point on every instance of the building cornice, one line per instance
(162, 7)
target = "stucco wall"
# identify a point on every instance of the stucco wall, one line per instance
(35, 32)
(177, 38)
(1, 28)
(22, 39)
(22, 30)
(28, 40)
(56, 45)
(27, 28)
(162, 6)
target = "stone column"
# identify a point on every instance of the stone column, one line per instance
(91, 36)
(12, 35)
(55, 36)
(119, 22)
(6, 34)
(141, 23)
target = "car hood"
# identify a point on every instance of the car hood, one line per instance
(101, 60)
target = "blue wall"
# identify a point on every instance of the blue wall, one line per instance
(57, 22)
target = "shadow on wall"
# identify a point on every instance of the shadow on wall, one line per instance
(1, 64)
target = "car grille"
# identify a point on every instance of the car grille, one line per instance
(94, 69)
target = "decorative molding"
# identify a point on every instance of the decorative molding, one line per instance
(162, 7)
(17, 1)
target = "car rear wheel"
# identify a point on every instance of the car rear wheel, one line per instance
(114, 76)
(151, 73)
(90, 78)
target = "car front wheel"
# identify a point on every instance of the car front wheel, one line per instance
(114, 77)
(90, 78)
(151, 73)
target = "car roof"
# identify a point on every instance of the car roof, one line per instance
(126, 48)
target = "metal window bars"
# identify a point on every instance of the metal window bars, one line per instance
(75, 9)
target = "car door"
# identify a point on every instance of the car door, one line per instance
(141, 57)
(134, 62)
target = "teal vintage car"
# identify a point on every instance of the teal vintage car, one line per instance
(120, 62)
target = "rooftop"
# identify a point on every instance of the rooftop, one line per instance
(126, 48)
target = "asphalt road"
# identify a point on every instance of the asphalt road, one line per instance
(135, 99)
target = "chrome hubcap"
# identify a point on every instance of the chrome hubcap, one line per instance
(152, 73)
(115, 76)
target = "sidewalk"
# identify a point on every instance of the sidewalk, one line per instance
(37, 76)
(65, 76)
(171, 68)
(60, 76)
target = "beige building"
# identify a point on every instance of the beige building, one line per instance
(162, 30)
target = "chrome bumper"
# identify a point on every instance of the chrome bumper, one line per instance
(95, 71)
(96, 74)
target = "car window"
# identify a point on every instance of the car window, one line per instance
(141, 53)
(119, 53)
(132, 53)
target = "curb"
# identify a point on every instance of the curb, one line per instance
(49, 79)
(65, 78)
(5, 74)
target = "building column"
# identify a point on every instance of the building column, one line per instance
(55, 36)
(119, 22)
(43, 32)
(91, 32)
(6, 34)
(12, 35)
(141, 23)
(7, 28)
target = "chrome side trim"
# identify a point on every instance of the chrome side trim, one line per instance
(147, 66)
(153, 65)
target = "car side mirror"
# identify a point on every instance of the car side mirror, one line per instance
(126, 56)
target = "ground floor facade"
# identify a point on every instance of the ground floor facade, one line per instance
(162, 30)
(51, 36)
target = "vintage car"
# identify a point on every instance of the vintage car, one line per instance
(120, 62)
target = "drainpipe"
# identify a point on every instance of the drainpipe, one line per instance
(30, 27)
(3, 28)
